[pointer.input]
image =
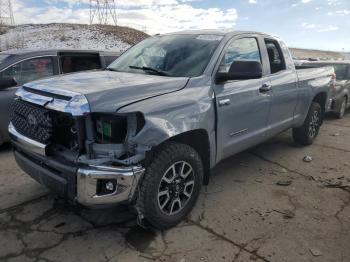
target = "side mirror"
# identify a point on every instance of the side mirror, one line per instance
(221, 77)
(7, 82)
(241, 70)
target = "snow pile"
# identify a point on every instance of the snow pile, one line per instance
(73, 36)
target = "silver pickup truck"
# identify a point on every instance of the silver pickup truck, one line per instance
(148, 130)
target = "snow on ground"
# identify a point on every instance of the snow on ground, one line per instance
(61, 36)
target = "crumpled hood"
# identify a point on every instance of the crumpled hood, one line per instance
(108, 91)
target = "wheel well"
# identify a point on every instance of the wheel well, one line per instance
(321, 99)
(199, 141)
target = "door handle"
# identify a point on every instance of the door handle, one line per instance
(265, 88)
(224, 102)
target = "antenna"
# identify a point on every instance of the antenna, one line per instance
(6, 13)
(103, 11)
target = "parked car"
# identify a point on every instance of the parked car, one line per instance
(341, 91)
(148, 130)
(21, 66)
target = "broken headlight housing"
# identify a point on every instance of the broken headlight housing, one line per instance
(115, 129)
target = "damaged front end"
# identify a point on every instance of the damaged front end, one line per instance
(86, 156)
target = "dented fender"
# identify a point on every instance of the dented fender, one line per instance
(173, 114)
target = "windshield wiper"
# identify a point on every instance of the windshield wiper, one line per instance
(146, 68)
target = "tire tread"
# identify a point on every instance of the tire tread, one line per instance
(166, 152)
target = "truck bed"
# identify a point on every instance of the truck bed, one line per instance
(306, 73)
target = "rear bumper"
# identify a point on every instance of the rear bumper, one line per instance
(76, 183)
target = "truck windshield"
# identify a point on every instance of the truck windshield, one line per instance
(3, 58)
(170, 55)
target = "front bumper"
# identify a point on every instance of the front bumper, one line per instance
(77, 183)
(127, 181)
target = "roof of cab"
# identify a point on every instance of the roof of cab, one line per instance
(51, 51)
(215, 32)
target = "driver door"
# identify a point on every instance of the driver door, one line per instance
(242, 105)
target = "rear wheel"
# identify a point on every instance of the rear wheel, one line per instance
(340, 114)
(171, 185)
(307, 133)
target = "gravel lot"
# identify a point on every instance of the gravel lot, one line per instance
(243, 215)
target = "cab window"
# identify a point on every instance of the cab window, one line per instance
(30, 70)
(244, 49)
(276, 59)
(71, 63)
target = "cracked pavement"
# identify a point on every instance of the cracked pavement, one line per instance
(243, 215)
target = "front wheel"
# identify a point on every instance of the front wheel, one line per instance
(171, 185)
(307, 133)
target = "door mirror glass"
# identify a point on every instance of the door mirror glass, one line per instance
(221, 77)
(243, 70)
(7, 82)
(240, 70)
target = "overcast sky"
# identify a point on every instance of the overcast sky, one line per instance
(319, 24)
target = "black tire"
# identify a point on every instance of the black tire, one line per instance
(149, 200)
(307, 133)
(340, 114)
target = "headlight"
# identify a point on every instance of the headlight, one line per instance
(114, 129)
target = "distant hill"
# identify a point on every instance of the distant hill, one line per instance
(309, 53)
(116, 38)
(43, 36)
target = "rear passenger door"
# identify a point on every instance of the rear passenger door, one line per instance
(284, 86)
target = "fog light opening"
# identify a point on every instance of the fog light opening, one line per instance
(106, 187)
(110, 186)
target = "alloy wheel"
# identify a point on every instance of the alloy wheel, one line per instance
(314, 124)
(176, 188)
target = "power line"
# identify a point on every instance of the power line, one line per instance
(6, 13)
(103, 12)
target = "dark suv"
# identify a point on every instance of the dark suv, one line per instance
(22, 66)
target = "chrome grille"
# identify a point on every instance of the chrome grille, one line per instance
(32, 121)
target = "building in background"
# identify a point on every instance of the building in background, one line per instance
(304, 54)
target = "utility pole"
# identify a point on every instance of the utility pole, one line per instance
(103, 12)
(6, 13)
